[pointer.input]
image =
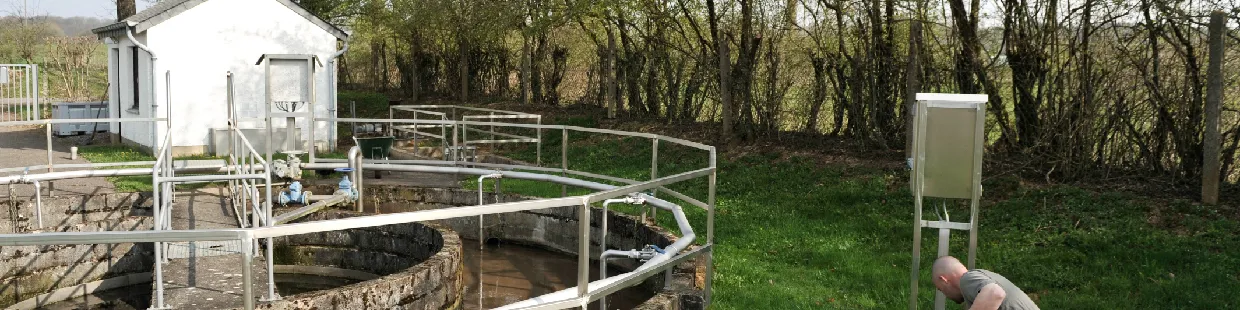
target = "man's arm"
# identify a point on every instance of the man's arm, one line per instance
(989, 298)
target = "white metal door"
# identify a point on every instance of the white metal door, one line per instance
(19, 93)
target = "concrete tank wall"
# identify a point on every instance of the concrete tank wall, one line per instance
(419, 265)
(30, 271)
(553, 229)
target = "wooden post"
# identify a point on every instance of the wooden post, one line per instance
(1214, 99)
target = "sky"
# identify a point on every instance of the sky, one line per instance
(66, 8)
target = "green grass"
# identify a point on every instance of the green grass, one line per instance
(800, 234)
(125, 153)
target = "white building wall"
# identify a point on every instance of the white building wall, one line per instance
(137, 132)
(201, 45)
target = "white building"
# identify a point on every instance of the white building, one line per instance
(197, 43)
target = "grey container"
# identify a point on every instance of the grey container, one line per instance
(79, 110)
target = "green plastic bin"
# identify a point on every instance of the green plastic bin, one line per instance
(375, 147)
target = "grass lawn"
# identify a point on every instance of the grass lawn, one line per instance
(799, 233)
(125, 153)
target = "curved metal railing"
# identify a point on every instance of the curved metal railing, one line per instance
(575, 297)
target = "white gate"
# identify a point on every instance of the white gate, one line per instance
(19, 93)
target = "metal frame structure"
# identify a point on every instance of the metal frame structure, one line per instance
(246, 165)
(19, 93)
(948, 141)
(463, 113)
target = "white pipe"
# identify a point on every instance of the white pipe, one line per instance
(571, 292)
(38, 202)
(331, 65)
(151, 81)
(482, 240)
(607, 254)
(603, 237)
(355, 162)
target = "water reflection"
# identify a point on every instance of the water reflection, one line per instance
(512, 273)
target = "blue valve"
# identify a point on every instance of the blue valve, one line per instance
(658, 249)
(294, 194)
(346, 185)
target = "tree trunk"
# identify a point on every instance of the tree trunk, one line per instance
(463, 48)
(609, 75)
(1214, 98)
(525, 70)
(912, 84)
(125, 9)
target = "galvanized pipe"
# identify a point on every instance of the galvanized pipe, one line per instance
(603, 243)
(602, 268)
(481, 230)
(355, 162)
(247, 272)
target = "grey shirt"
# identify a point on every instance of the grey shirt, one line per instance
(972, 282)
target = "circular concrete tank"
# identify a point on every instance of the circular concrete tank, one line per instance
(542, 237)
(412, 266)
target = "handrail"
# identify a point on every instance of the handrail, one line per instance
(246, 163)
(80, 120)
(110, 237)
(679, 141)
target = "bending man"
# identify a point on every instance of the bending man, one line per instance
(982, 289)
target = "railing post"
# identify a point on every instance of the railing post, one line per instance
(563, 159)
(654, 174)
(49, 148)
(157, 225)
(538, 146)
(271, 279)
(710, 227)
(247, 271)
(583, 248)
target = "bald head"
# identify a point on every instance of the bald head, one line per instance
(948, 265)
(946, 275)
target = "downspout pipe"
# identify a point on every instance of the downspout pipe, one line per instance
(331, 80)
(151, 81)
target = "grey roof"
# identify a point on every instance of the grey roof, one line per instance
(167, 9)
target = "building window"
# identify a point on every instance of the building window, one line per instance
(137, 93)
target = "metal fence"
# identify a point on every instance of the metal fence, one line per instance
(484, 135)
(245, 164)
(19, 93)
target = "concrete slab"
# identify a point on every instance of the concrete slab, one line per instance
(207, 275)
(27, 146)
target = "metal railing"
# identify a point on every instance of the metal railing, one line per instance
(486, 134)
(245, 166)
(19, 93)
